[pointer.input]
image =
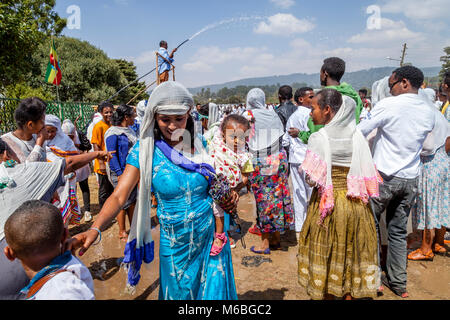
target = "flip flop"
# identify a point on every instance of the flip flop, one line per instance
(267, 251)
(255, 230)
(438, 249)
(418, 255)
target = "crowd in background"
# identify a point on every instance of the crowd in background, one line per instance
(323, 166)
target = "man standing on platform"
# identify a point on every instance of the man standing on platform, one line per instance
(163, 64)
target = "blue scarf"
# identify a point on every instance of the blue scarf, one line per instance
(54, 265)
(177, 158)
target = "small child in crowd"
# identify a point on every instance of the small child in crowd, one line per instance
(228, 150)
(35, 234)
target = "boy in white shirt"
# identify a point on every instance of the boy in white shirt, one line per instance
(403, 122)
(35, 235)
(298, 122)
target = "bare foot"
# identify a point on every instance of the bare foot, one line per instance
(123, 236)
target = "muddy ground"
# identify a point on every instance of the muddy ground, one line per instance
(274, 279)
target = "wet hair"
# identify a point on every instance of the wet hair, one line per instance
(363, 91)
(36, 227)
(300, 93)
(190, 126)
(30, 109)
(285, 92)
(412, 74)
(120, 113)
(335, 67)
(236, 118)
(330, 97)
(204, 110)
(103, 105)
(162, 43)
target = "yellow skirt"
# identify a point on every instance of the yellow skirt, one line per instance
(340, 257)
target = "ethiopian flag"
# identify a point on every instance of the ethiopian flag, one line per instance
(54, 73)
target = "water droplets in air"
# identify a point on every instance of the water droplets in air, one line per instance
(226, 21)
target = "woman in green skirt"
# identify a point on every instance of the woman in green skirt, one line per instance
(338, 247)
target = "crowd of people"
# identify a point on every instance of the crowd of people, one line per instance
(324, 166)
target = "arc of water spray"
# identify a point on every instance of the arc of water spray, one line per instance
(208, 27)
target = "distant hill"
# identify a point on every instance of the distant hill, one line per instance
(358, 79)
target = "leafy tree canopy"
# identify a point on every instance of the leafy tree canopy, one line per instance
(23, 26)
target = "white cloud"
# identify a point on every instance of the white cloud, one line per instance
(284, 25)
(145, 57)
(284, 4)
(418, 9)
(390, 32)
(198, 66)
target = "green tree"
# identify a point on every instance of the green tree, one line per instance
(88, 75)
(445, 62)
(22, 91)
(24, 24)
(128, 69)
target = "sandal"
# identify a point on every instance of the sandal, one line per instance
(418, 255)
(255, 230)
(267, 251)
(437, 248)
(232, 243)
(123, 236)
(215, 250)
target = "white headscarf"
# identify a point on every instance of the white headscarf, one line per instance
(341, 143)
(140, 109)
(61, 141)
(268, 127)
(69, 129)
(380, 90)
(169, 98)
(213, 116)
(97, 118)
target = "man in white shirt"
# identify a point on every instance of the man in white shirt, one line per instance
(403, 122)
(296, 123)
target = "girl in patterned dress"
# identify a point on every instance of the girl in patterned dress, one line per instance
(269, 180)
(230, 159)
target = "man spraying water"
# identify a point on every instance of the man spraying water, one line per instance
(163, 61)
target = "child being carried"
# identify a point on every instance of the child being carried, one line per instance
(232, 161)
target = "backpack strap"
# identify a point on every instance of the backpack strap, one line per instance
(39, 284)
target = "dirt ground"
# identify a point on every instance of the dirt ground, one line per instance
(274, 279)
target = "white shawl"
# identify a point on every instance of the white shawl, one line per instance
(268, 127)
(169, 98)
(340, 143)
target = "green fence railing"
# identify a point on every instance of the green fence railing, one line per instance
(63, 110)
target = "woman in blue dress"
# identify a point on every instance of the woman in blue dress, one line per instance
(164, 158)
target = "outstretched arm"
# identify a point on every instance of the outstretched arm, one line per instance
(76, 162)
(110, 210)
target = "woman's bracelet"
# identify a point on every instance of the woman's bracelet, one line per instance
(99, 233)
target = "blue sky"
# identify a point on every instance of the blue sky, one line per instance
(263, 37)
